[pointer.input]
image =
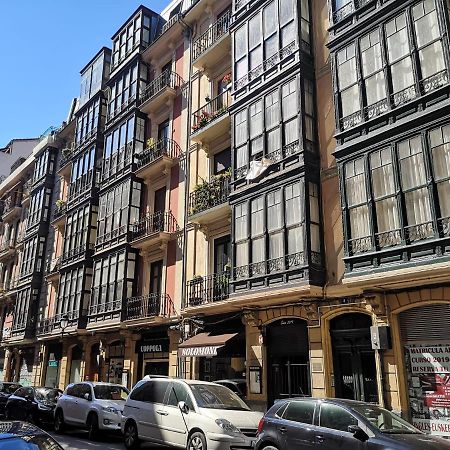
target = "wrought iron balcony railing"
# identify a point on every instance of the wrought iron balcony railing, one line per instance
(76, 253)
(60, 210)
(103, 308)
(49, 324)
(167, 79)
(208, 289)
(151, 305)
(161, 221)
(215, 108)
(349, 8)
(212, 35)
(164, 147)
(209, 195)
(6, 246)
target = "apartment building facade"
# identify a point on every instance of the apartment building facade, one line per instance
(252, 190)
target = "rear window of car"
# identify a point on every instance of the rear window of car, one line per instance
(302, 412)
(151, 391)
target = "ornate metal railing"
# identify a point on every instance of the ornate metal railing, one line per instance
(164, 147)
(212, 35)
(67, 154)
(169, 24)
(76, 253)
(215, 108)
(445, 225)
(348, 9)
(352, 120)
(209, 195)
(388, 238)
(420, 232)
(435, 81)
(266, 65)
(271, 266)
(151, 305)
(49, 324)
(167, 79)
(404, 96)
(161, 221)
(208, 289)
(360, 245)
(11, 203)
(376, 109)
(60, 210)
(103, 308)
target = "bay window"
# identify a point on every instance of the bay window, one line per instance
(79, 236)
(22, 314)
(39, 207)
(88, 122)
(71, 293)
(82, 174)
(33, 252)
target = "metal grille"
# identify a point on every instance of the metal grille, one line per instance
(425, 323)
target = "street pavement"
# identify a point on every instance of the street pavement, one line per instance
(78, 440)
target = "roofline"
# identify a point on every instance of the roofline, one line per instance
(17, 140)
(140, 7)
(103, 49)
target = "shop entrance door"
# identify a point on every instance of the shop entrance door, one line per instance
(288, 360)
(355, 372)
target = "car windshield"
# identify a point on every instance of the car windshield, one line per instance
(217, 397)
(107, 392)
(10, 388)
(47, 394)
(385, 421)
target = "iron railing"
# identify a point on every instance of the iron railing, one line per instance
(159, 222)
(209, 195)
(163, 147)
(208, 289)
(103, 308)
(76, 253)
(212, 35)
(6, 246)
(67, 153)
(167, 79)
(11, 203)
(49, 324)
(53, 265)
(215, 108)
(151, 305)
(60, 210)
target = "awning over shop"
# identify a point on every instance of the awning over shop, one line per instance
(204, 344)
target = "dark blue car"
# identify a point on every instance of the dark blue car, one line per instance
(16, 435)
(335, 424)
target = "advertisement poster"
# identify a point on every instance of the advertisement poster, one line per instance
(429, 387)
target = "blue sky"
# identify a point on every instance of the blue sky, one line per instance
(43, 46)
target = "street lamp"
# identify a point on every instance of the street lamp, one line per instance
(63, 323)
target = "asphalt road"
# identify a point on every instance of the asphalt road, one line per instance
(78, 440)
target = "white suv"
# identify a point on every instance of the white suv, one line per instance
(188, 414)
(95, 406)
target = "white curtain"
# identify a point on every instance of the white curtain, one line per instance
(387, 215)
(295, 240)
(257, 216)
(258, 250)
(444, 198)
(276, 245)
(359, 222)
(418, 206)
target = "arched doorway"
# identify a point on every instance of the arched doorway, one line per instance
(288, 359)
(114, 362)
(75, 365)
(95, 363)
(355, 373)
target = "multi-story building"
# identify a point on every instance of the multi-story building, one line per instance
(248, 189)
(14, 153)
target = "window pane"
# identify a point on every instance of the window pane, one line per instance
(444, 196)
(270, 19)
(242, 254)
(286, 11)
(257, 216)
(350, 101)
(418, 206)
(240, 42)
(426, 23)
(371, 59)
(276, 245)
(295, 240)
(258, 253)
(347, 67)
(302, 412)
(375, 88)
(387, 215)
(432, 59)
(412, 165)
(254, 31)
(274, 210)
(335, 417)
(397, 37)
(359, 222)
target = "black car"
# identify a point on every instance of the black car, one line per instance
(33, 404)
(333, 424)
(6, 389)
(24, 436)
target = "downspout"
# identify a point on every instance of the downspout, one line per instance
(186, 190)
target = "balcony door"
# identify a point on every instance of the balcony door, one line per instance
(222, 254)
(222, 161)
(156, 277)
(163, 130)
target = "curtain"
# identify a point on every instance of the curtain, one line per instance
(432, 59)
(276, 245)
(359, 222)
(444, 198)
(295, 240)
(387, 215)
(258, 253)
(418, 209)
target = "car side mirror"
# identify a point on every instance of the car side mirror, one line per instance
(184, 408)
(358, 433)
(87, 396)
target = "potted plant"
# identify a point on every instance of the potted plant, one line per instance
(226, 80)
(207, 98)
(60, 203)
(150, 142)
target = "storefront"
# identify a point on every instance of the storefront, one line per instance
(114, 362)
(25, 368)
(425, 334)
(153, 354)
(53, 365)
(75, 364)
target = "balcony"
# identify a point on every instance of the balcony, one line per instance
(209, 201)
(9, 288)
(104, 315)
(52, 268)
(348, 9)
(154, 230)
(83, 251)
(21, 330)
(59, 214)
(11, 209)
(7, 250)
(159, 92)
(171, 33)
(209, 289)
(157, 158)
(213, 45)
(212, 119)
(66, 158)
(148, 306)
(51, 326)
(26, 189)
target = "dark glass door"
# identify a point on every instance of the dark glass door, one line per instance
(222, 161)
(355, 372)
(155, 277)
(163, 130)
(222, 254)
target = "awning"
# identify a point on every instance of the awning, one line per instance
(204, 344)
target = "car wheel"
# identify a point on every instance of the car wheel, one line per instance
(130, 436)
(92, 424)
(59, 422)
(269, 447)
(197, 441)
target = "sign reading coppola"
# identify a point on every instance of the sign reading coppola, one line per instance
(209, 350)
(153, 346)
(430, 358)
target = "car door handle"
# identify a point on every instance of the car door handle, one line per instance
(320, 439)
(162, 413)
(283, 430)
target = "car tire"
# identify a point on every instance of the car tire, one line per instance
(131, 436)
(59, 422)
(92, 423)
(197, 441)
(269, 447)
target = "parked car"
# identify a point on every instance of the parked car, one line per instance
(16, 435)
(188, 414)
(237, 385)
(6, 389)
(33, 404)
(339, 424)
(95, 406)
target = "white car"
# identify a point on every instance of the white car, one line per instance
(95, 406)
(189, 414)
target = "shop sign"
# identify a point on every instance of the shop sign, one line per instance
(210, 350)
(430, 359)
(156, 346)
(433, 426)
(53, 364)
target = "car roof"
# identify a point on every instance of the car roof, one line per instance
(339, 401)
(232, 380)
(96, 383)
(16, 428)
